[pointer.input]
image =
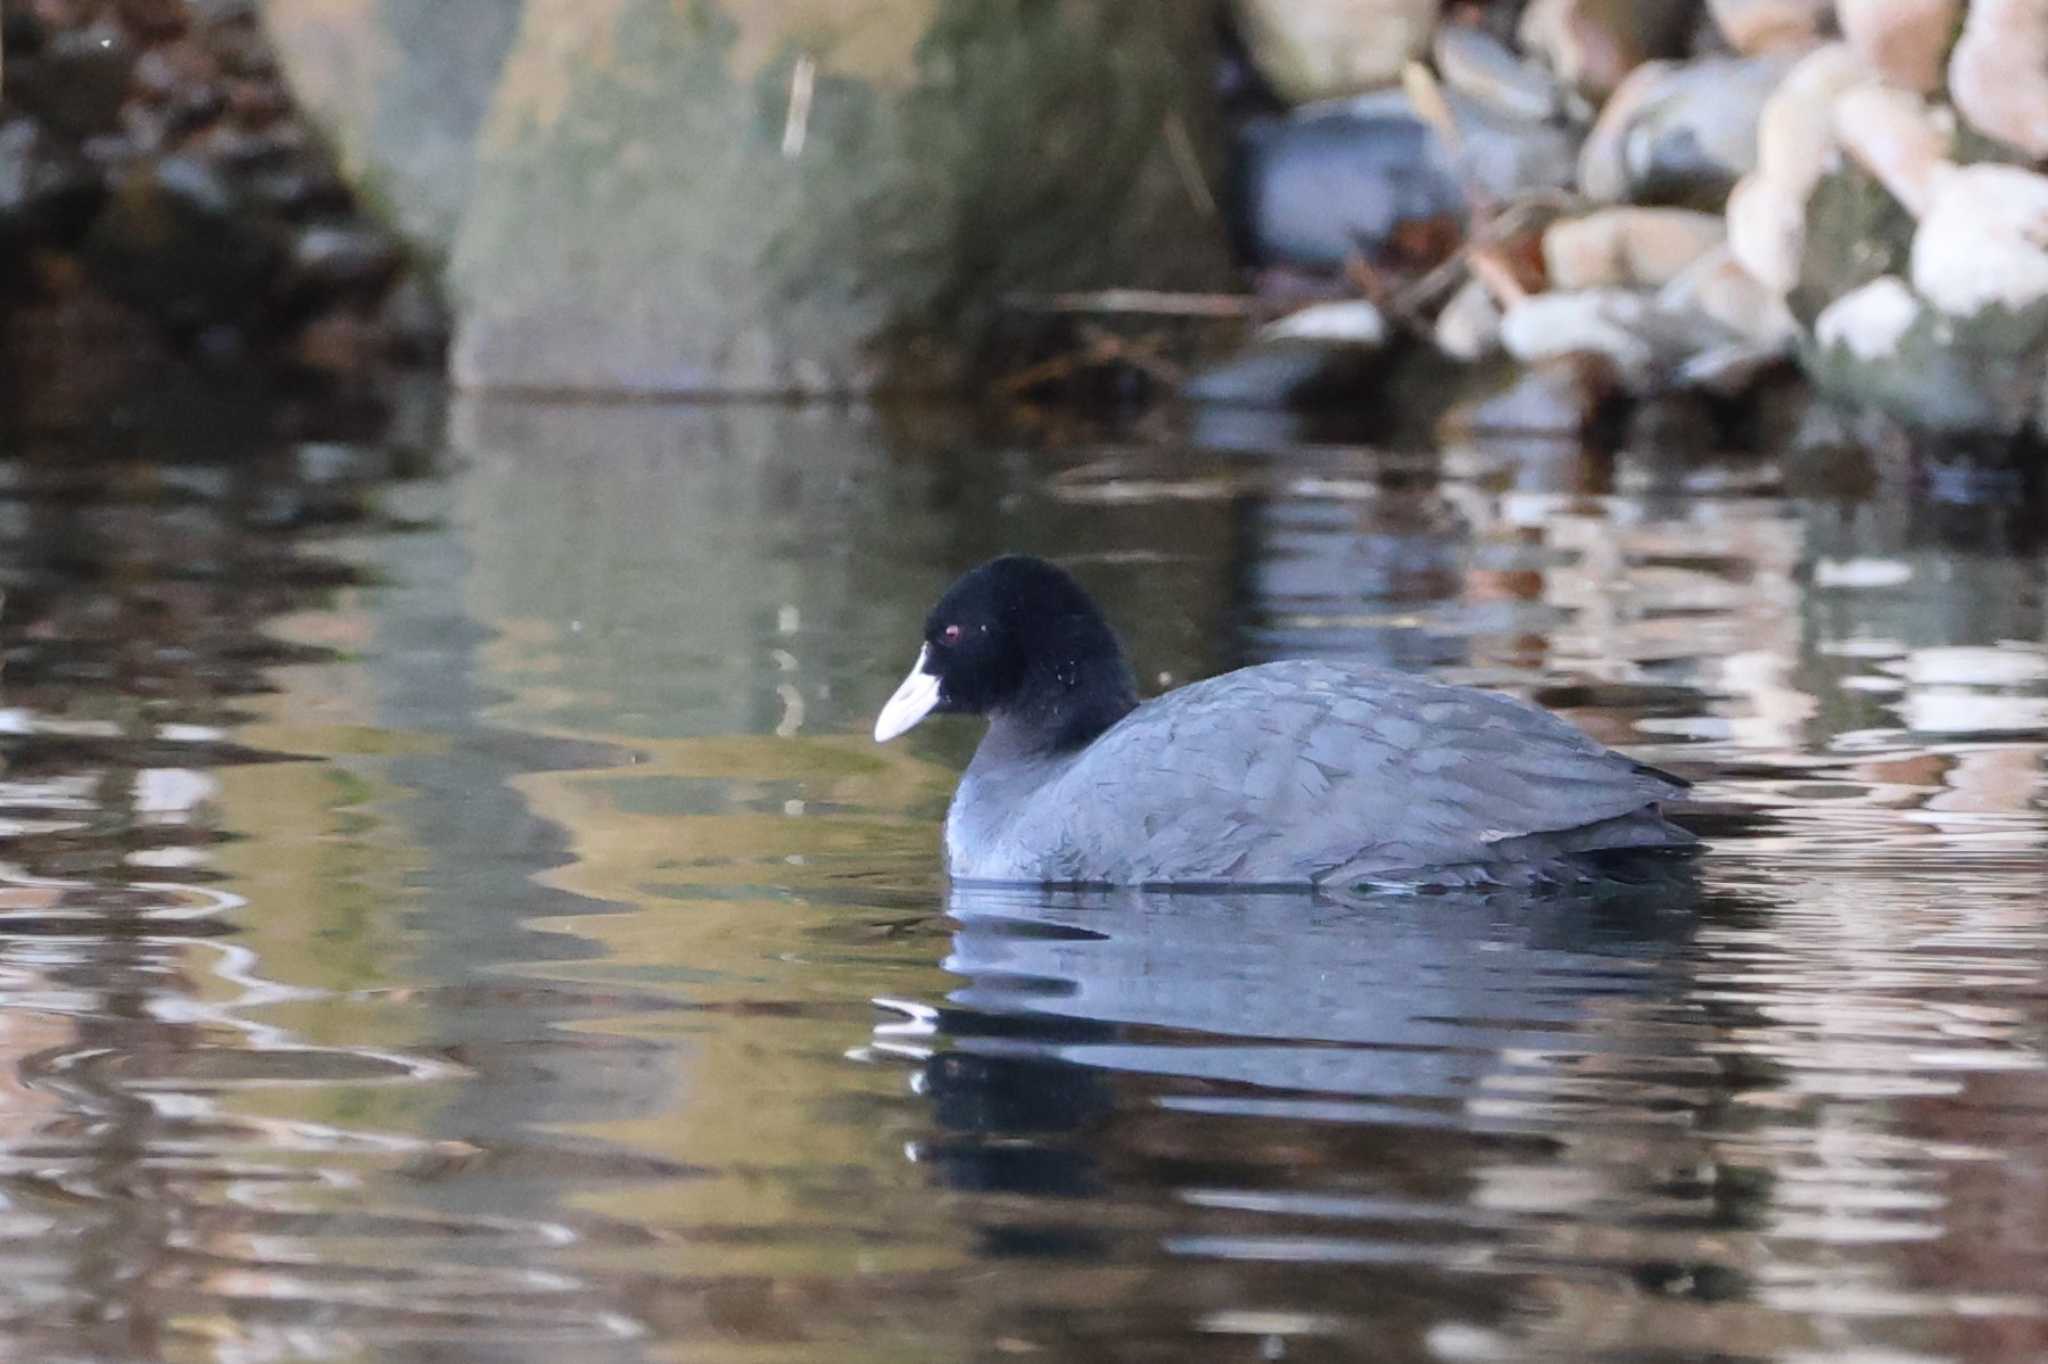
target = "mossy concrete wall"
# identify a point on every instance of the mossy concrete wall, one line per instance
(766, 196)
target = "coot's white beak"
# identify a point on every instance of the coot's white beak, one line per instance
(912, 702)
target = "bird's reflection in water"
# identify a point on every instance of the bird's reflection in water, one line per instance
(1398, 995)
(1265, 1079)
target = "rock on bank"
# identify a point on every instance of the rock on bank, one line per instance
(736, 196)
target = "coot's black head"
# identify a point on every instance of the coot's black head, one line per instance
(1017, 639)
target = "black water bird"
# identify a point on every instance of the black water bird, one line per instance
(1287, 774)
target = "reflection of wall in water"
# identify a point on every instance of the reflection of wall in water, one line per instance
(669, 571)
(763, 569)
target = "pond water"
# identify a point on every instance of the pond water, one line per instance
(450, 908)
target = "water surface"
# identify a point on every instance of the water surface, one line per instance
(450, 908)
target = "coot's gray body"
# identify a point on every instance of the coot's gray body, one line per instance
(1288, 774)
(1303, 773)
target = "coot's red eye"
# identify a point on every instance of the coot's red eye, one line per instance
(950, 635)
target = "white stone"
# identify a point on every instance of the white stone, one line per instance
(1730, 369)
(1468, 328)
(1473, 62)
(1695, 120)
(1894, 135)
(1980, 243)
(1794, 132)
(1718, 288)
(1767, 230)
(1753, 26)
(1634, 247)
(1870, 321)
(1353, 321)
(1603, 173)
(1902, 40)
(1321, 49)
(1592, 45)
(1609, 322)
(1998, 74)
(1795, 138)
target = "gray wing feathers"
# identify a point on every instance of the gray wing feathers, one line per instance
(1337, 771)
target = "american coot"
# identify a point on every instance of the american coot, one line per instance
(1286, 774)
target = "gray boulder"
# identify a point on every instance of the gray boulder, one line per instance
(1680, 133)
(735, 197)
